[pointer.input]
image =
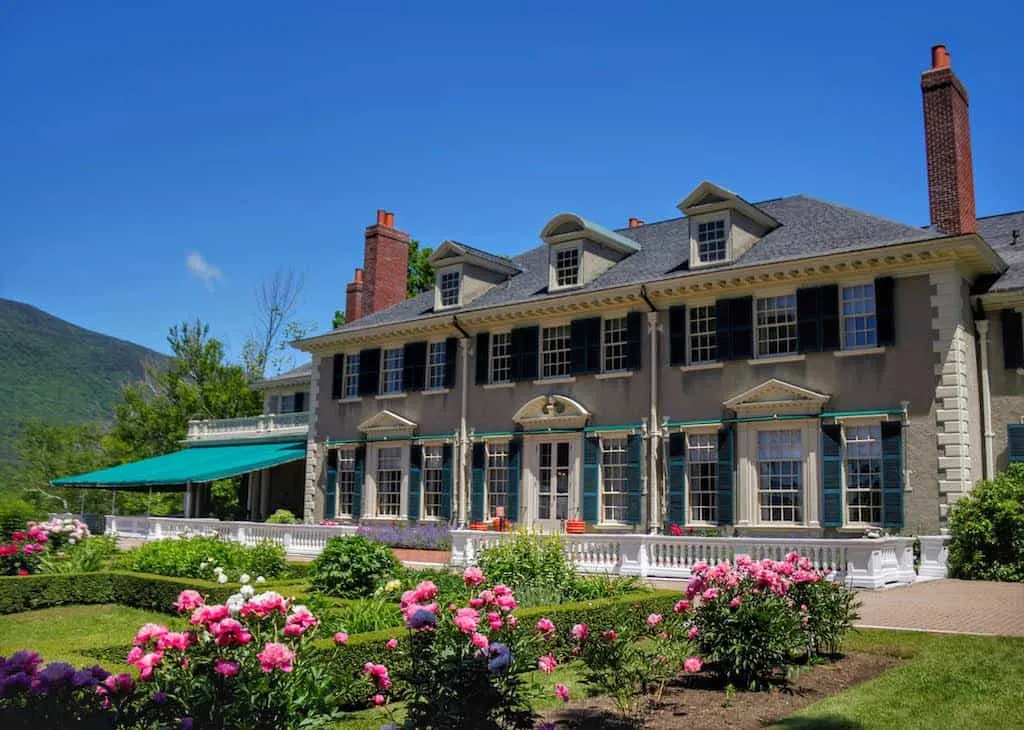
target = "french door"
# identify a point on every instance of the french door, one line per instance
(555, 484)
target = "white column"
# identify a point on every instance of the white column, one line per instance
(264, 494)
(654, 484)
(188, 500)
(463, 450)
(989, 467)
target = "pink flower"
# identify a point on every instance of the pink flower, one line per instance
(209, 614)
(580, 631)
(378, 700)
(226, 667)
(710, 594)
(545, 626)
(693, 665)
(148, 663)
(654, 619)
(692, 633)
(476, 602)
(547, 664)
(300, 621)
(478, 640)
(341, 638)
(149, 632)
(230, 632)
(675, 530)
(265, 604)
(426, 591)
(473, 576)
(506, 602)
(467, 620)
(179, 640)
(392, 643)
(502, 590)
(276, 656)
(134, 655)
(188, 601)
(512, 622)
(562, 692)
(487, 596)
(379, 673)
(681, 606)
(494, 619)
(610, 635)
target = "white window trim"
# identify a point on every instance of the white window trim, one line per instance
(541, 378)
(427, 388)
(747, 513)
(867, 349)
(369, 496)
(423, 479)
(438, 305)
(554, 249)
(846, 523)
(344, 378)
(707, 364)
(337, 484)
(625, 332)
(381, 393)
(498, 442)
(600, 469)
(695, 262)
(699, 431)
(794, 356)
(491, 382)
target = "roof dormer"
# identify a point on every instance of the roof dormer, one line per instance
(581, 250)
(723, 226)
(462, 273)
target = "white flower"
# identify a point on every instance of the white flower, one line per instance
(247, 591)
(392, 585)
(235, 603)
(260, 579)
(218, 570)
(72, 540)
(221, 578)
(244, 578)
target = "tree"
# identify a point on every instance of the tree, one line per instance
(339, 319)
(420, 276)
(277, 298)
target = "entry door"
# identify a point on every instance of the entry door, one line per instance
(554, 484)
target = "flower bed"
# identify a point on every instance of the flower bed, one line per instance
(421, 536)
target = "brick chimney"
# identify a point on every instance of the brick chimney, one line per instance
(354, 298)
(386, 262)
(947, 138)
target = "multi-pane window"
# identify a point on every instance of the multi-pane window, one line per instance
(615, 344)
(501, 357)
(287, 403)
(780, 476)
(346, 482)
(432, 481)
(436, 364)
(860, 327)
(351, 384)
(711, 241)
(864, 473)
(391, 371)
(702, 473)
(497, 479)
(449, 288)
(389, 481)
(776, 325)
(567, 266)
(614, 499)
(702, 334)
(556, 346)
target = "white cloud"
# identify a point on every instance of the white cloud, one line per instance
(202, 269)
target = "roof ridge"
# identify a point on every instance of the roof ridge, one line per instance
(1000, 215)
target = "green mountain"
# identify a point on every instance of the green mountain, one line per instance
(57, 372)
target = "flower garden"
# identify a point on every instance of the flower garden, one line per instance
(200, 633)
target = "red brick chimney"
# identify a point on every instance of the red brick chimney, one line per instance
(354, 298)
(947, 139)
(635, 222)
(386, 261)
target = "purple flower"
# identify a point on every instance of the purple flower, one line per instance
(159, 698)
(15, 684)
(186, 723)
(98, 672)
(422, 619)
(26, 661)
(83, 678)
(54, 677)
(500, 657)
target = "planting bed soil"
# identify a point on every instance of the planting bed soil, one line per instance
(699, 701)
(422, 556)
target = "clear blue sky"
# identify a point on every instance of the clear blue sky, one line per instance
(259, 135)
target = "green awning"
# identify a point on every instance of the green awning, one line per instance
(196, 464)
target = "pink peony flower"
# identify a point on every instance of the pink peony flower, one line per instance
(473, 576)
(693, 665)
(378, 700)
(476, 602)
(209, 614)
(562, 692)
(506, 602)
(188, 601)
(547, 664)
(710, 594)
(467, 619)
(179, 640)
(225, 667)
(692, 633)
(426, 591)
(149, 632)
(502, 590)
(265, 604)
(379, 674)
(134, 655)
(341, 638)
(681, 606)
(654, 619)
(610, 635)
(545, 626)
(392, 643)
(148, 663)
(487, 596)
(230, 632)
(579, 632)
(300, 621)
(735, 602)
(512, 622)
(276, 656)
(479, 640)
(494, 619)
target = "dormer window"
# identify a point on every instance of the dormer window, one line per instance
(449, 286)
(567, 267)
(723, 226)
(579, 250)
(712, 241)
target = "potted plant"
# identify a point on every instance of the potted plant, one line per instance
(575, 526)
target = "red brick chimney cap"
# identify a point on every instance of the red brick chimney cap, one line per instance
(940, 56)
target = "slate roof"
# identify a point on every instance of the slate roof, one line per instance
(487, 255)
(997, 230)
(808, 227)
(301, 371)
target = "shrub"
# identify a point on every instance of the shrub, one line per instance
(88, 556)
(15, 513)
(530, 561)
(282, 517)
(987, 529)
(418, 536)
(831, 611)
(198, 557)
(352, 567)
(605, 586)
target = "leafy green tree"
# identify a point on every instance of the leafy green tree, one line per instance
(420, 277)
(339, 319)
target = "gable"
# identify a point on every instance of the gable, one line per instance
(388, 422)
(552, 411)
(777, 396)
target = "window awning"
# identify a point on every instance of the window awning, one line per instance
(192, 465)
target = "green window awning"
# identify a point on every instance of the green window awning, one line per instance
(196, 464)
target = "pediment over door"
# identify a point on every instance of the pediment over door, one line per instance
(552, 411)
(777, 396)
(388, 423)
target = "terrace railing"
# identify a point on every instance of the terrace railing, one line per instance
(271, 424)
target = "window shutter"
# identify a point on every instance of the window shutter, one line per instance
(884, 311)
(525, 343)
(451, 355)
(724, 477)
(585, 338)
(742, 328)
(634, 479)
(337, 376)
(446, 482)
(476, 495)
(677, 335)
(515, 450)
(300, 402)
(634, 340)
(359, 473)
(414, 366)
(415, 480)
(677, 478)
(369, 371)
(1010, 322)
(330, 492)
(483, 358)
(830, 335)
(808, 319)
(831, 476)
(591, 479)
(892, 474)
(1015, 443)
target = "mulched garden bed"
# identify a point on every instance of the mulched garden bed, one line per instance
(699, 701)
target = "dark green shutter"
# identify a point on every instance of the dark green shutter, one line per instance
(525, 343)
(337, 376)
(724, 477)
(742, 327)
(585, 339)
(591, 479)
(451, 355)
(677, 478)
(415, 480)
(830, 335)
(300, 402)
(446, 482)
(723, 329)
(1013, 339)
(1015, 443)
(634, 479)
(634, 340)
(677, 335)
(831, 476)
(892, 474)
(359, 475)
(808, 319)
(476, 495)
(369, 371)
(885, 314)
(414, 366)
(331, 487)
(515, 451)
(483, 354)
